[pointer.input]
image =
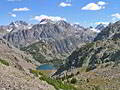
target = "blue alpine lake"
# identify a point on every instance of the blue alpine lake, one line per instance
(46, 67)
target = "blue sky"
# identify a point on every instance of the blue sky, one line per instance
(85, 12)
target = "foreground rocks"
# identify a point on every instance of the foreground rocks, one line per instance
(14, 70)
(14, 79)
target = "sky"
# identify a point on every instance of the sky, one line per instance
(85, 12)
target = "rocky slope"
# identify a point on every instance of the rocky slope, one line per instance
(14, 70)
(15, 57)
(14, 79)
(106, 48)
(95, 65)
(91, 55)
(104, 77)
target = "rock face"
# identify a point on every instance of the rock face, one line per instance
(100, 27)
(60, 36)
(93, 54)
(109, 31)
(17, 25)
(15, 57)
(105, 49)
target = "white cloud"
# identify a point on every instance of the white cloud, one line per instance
(116, 15)
(63, 4)
(77, 23)
(105, 23)
(41, 17)
(21, 9)
(101, 3)
(94, 6)
(12, 14)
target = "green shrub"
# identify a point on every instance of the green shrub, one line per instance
(35, 72)
(4, 62)
(78, 73)
(73, 80)
(89, 68)
(35, 52)
(70, 76)
(58, 84)
(97, 88)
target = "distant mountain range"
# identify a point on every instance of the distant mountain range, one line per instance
(53, 39)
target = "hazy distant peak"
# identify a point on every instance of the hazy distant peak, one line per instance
(100, 26)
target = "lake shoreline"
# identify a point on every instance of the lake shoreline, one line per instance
(46, 67)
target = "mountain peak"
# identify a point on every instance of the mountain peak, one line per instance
(45, 20)
(18, 23)
(50, 18)
(100, 26)
(62, 22)
(78, 26)
(109, 31)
